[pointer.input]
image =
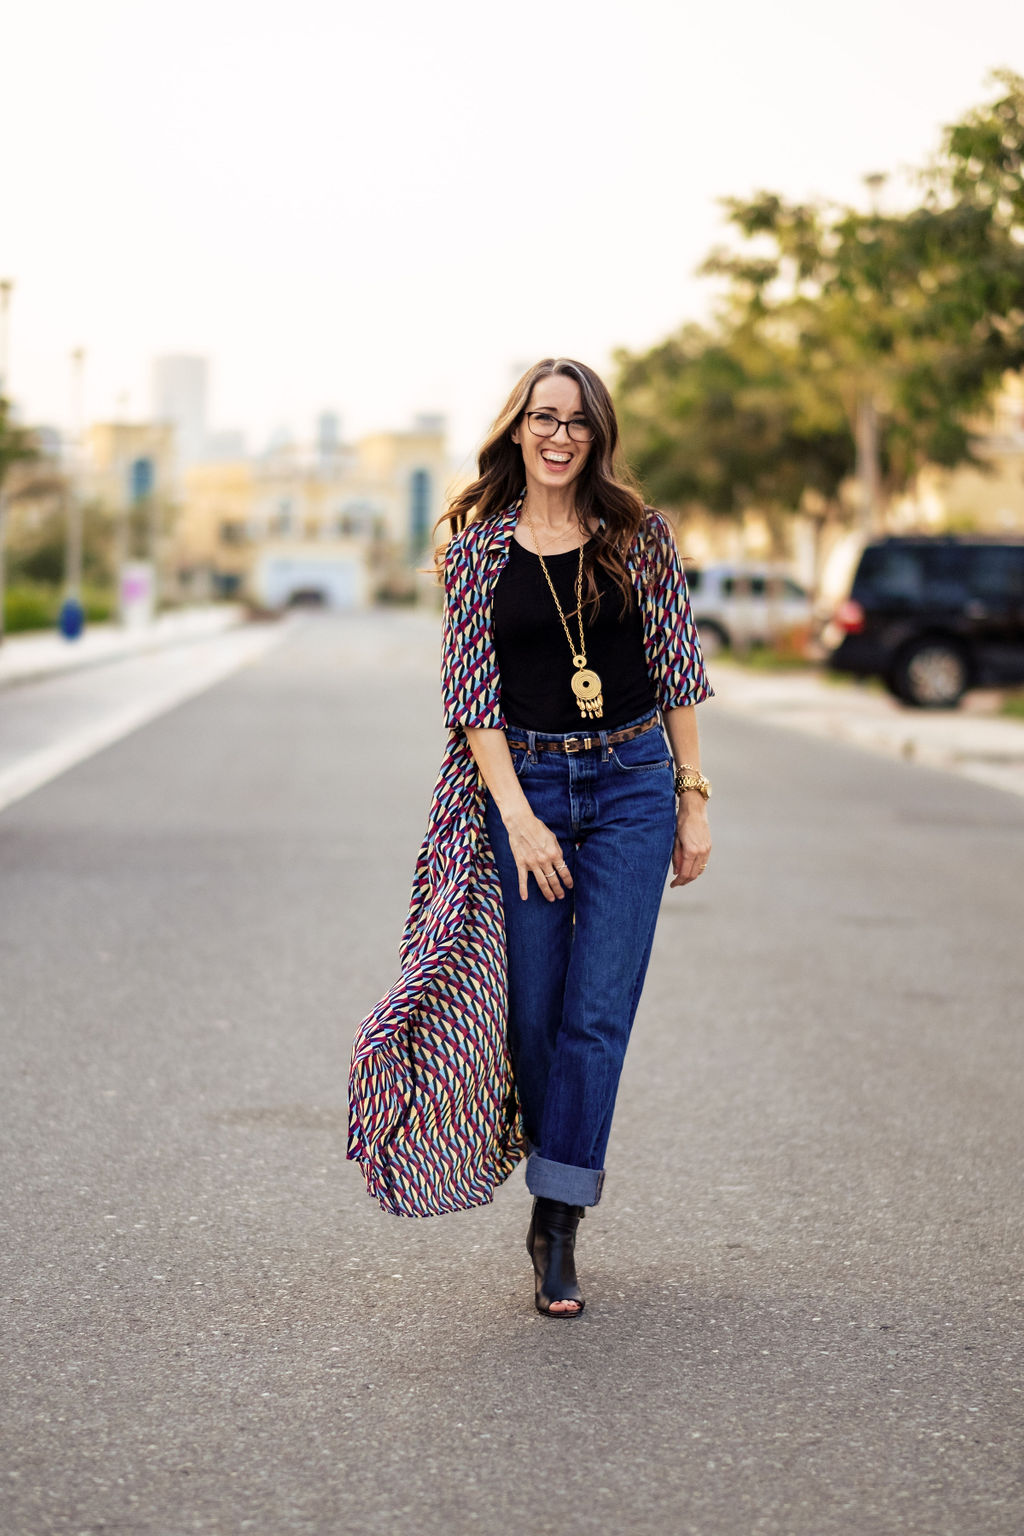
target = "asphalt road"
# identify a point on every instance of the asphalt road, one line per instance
(805, 1298)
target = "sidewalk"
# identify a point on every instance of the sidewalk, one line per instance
(40, 653)
(972, 740)
(76, 705)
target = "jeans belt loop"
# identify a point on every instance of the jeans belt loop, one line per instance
(531, 745)
(606, 750)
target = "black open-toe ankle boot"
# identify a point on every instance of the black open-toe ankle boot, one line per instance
(550, 1243)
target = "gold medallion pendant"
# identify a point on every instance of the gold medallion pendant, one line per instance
(586, 685)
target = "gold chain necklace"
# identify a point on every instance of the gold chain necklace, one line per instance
(586, 684)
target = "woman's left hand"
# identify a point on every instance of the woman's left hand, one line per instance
(693, 839)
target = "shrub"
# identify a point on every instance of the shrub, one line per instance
(30, 607)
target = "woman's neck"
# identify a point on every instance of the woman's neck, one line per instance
(551, 509)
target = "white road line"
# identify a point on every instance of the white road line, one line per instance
(222, 657)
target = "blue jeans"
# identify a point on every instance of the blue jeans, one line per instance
(576, 966)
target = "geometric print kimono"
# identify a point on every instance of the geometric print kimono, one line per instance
(433, 1117)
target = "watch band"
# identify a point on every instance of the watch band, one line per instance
(692, 778)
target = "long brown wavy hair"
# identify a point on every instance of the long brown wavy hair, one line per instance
(605, 490)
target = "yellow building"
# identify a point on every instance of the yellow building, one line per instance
(332, 525)
(210, 552)
(129, 462)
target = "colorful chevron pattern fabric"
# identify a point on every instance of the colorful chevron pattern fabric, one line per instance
(433, 1117)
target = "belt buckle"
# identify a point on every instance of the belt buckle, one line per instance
(574, 744)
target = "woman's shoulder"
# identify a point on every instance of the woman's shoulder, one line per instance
(477, 537)
(656, 527)
(470, 552)
(656, 536)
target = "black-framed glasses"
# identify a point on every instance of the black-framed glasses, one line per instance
(543, 424)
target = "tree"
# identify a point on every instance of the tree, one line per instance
(730, 421)
(845, 330)
(17, 445)
(916, 316)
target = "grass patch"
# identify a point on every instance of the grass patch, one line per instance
(34, 606)
(768, 658)
(1012, 704)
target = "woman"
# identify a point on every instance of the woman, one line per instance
(555, 820)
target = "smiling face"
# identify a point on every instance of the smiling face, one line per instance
(557, 460)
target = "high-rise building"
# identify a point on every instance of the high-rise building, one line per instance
(180, 397)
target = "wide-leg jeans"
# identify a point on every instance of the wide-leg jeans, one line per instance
(576, 967)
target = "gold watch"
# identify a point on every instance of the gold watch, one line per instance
(692, 778)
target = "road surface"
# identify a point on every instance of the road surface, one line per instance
(805, 1297)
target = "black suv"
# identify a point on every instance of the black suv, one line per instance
(934, 617)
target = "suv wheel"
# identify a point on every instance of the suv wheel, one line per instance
(932, 674)
(713, 638)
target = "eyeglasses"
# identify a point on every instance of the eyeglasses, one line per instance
(543, 424)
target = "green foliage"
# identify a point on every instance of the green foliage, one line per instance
(730, 420)
(30, 607)
(40, 555)
(36, 605)
(17, 444)
(921, 313)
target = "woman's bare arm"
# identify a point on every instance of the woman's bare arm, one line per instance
(693, 835)
(535, 849)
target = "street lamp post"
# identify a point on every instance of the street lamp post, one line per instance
(5, 301)
(72, 612)
(73, 562)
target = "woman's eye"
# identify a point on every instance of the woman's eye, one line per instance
(543, 419)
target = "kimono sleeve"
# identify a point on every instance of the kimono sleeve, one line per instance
(672, 634)
(470, 680)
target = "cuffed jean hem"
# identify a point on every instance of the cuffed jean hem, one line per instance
(563, 1181)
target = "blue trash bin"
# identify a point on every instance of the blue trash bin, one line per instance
(71, 620)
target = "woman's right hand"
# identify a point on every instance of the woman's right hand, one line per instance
(537, 852)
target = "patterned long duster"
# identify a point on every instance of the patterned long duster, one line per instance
(433, 1116)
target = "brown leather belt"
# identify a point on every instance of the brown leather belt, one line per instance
(572, 744)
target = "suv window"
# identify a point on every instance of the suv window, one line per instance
(693, 578)
(743, 586)
(890, 572)
(996, 573)
(941, 573)
(922, 573)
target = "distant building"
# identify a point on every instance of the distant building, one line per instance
(223, 446)
(334, 523)
(130, 462)
(180, 389)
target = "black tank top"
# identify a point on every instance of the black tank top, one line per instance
(534, 656)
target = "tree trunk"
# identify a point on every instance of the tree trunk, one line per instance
(867, 464)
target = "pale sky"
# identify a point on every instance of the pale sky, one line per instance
(383, 208)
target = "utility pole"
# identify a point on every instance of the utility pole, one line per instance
(5, 301)
(71, 621)
(73, 557)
